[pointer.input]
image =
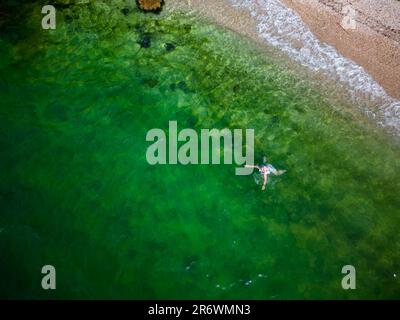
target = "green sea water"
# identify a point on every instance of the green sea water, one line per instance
(77, 192)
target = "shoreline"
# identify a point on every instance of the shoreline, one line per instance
(374, 44)
(275, 25)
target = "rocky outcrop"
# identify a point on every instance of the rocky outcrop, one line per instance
(150, 5)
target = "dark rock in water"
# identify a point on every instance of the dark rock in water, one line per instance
(299, 109)
(187, 28)
(68, 18)
(169, 47)
(125, 11)
(150, 5)
(145, 42)
(62, 6)
(180, 85)
(183, 86)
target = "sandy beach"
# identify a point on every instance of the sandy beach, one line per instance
(374, 43)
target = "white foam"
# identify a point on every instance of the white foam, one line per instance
(281, 27)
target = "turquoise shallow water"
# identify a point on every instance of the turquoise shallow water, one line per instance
(76, 190)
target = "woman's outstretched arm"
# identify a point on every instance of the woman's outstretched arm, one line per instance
(251, 166)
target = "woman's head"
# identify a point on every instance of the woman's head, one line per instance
(265, 159)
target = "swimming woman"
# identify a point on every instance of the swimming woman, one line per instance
(265, 169)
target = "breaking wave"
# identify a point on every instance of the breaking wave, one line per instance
(281, 27)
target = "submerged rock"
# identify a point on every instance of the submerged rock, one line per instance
(180, 85)
(61, 5)
(145, 42)
(150, 5)
(68, 18)
(236, 88)
(183, 86)
(125, 11)
(169, 47)
(275, 119)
